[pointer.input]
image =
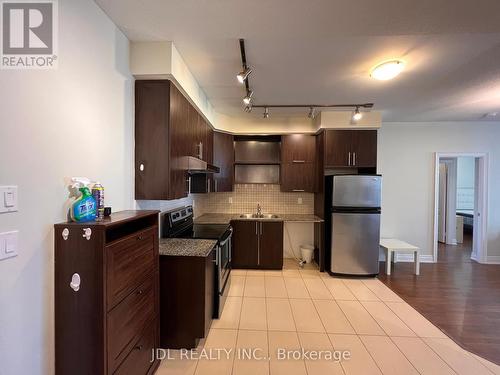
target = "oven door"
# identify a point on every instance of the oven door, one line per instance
(225, 257)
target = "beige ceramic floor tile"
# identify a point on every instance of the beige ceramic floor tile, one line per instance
(494, 368)
(319, 342)
(230, 318)
(275, 287)
(217, 340)
(287, 341)
(387, 356)
(458, 359)
(238, 272)
(279, 315)
(290, 264)
(291, 273)
(422, 356)
(246, 363)
(360, 319)
(272, 273)
(360, 362)
(385, 318)
(296, 288)
(332, 317)
(237, 286)
(256, 272)
(177, 367)
(360, 290)
(338, 289)
(383, 292)
(254, 286)
(253, 314)
(416, 322)
(305, 273)
(317, 289)
(305, 316)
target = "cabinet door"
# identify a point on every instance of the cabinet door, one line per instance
(208, 144)
(224, 159)
(298, 148)
(297, 177)
(245, 244)
(364, 148)
(271, 244)
(151, 139)
(337, 148)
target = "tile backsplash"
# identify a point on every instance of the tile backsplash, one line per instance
(245, 198)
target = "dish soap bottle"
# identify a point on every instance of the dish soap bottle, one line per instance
(84, 207)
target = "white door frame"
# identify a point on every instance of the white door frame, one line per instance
(481, 254)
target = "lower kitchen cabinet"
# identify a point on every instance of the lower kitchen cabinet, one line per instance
(186, 299)
(257, 244)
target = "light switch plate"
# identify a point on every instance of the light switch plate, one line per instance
(9, 244)
(8, 199)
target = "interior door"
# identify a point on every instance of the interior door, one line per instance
(245, 244)
(443, 177)
(478, 221)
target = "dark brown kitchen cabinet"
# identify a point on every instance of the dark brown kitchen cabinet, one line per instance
(107, 295)
(224, 159)
(186, 299)
(257, 244)
(298, 163)
(298, 177)
(350, 148)
(298, 148)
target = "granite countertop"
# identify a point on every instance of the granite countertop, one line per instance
(186, 247)
(220, 218)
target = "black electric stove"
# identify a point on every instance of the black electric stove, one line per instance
(179, 224)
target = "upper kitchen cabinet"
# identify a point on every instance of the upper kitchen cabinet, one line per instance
(350, 148)
(167, 130)
(298, 163)
(224, 159)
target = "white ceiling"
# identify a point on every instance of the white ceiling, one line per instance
(321, 51)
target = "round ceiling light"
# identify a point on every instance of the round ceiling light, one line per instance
(387, 70)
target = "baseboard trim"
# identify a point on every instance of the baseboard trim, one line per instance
(493, 259)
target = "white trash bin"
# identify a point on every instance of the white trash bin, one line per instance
(307, 251)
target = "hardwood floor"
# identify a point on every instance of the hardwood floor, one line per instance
(458, 295)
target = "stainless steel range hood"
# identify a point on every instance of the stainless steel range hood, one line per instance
(196, 166)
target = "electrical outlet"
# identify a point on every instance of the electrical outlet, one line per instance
(230, 200)
(299, 200)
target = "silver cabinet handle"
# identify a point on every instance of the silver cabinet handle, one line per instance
(208, 185)
(258, 247)
(298, 190)
(256, 229)
(349, 162)
(216, 185)
(200, 150)
(353, 158)
(298, 161)
(261, 228)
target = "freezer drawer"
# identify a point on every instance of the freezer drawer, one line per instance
(356, 191)
(355, 243)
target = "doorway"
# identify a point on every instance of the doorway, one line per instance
(460, 207)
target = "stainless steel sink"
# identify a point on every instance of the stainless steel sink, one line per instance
(261, 216)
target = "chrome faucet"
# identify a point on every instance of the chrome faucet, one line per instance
(259, 210)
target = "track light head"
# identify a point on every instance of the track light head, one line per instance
(311, 113)
(243, 75)
(248, 99)
(357, 114)
(266, 113)
(248, 108)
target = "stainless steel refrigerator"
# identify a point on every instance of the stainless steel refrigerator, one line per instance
(355, 225)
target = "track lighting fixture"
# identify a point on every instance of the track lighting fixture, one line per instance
(311, 113)
(248, 99)
(248, 108)
(357, 115)
(243, 75)
(266, 113)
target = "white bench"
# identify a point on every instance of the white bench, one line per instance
(394, 246)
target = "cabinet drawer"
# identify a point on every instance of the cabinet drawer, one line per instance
(128, 261)
(138, 362)
(128, 320)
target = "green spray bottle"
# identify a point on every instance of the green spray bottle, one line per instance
(84, 208)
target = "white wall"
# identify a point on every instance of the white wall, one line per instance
(77, 120)
(406, 161)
